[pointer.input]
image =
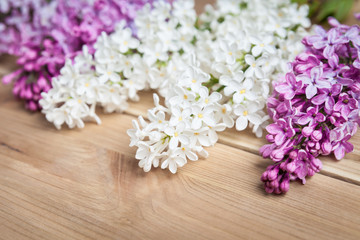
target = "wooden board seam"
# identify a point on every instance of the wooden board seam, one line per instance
(322, 172)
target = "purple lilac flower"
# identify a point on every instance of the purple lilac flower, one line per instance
(44, 34)
(343, 146)
(345, 105)
(314, 81)
(327, 96)
(310, 116)
(289, 88)
(315, 108)
(23, 21)
(280, 131)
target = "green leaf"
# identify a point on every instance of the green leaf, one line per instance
(328, 8)
(313, 8)
(300, 2)
(343, 9)
(319, 10)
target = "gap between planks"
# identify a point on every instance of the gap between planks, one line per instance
(130, 115)
(226, 138)
(246, 149)
(90, 176)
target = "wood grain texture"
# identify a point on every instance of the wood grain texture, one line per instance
(347, 169)
(85, 184)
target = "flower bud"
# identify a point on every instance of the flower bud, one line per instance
(22, 93)
(277, 191)
(266, 150)
(355, 87)
(46, 88)
(16, 90)
(311, 172)
(316, 135)
(36, 97)
(272, 102)
(293, 154)
(273, 174)
(42, 82)
(11, 77)
(283, 166)
(270, 138)
(307, 131)
(30, 66)
(264, 176)
(48, 43)
(269, 190)
(310, 144)
(285, 185)
(28, 93)
(36, 89)
(30, 54)
(31, 105)
(316, 164)
(326, 148)
(277, 155)
(274, 184)
(291, 167)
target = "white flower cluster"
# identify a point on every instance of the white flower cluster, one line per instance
(180, 131)
(93, 81)
(244, 46)
(241, 47)
(214, 70)
(123, 65)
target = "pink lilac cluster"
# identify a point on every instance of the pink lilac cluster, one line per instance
(43, 40)
(22, 21)
(315, 107)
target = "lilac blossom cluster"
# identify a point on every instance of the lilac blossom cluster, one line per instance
(43, 34)
(23, 21)
(315, 107)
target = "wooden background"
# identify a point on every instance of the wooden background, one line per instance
(85, 184)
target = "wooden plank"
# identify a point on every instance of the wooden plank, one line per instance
(347, 169)
(200, 4)
(7, 64)
(85, 185)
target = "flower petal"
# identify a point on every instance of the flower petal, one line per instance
(241, 123)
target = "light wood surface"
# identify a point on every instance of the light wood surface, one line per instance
(85, 184)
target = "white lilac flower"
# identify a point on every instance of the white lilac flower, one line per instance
(173, 161)
(123, 64)
(125, 40)
(255, 66)
(214, 71)
(225, 116)
(87, 83)
(241, 91)
(227, 52)
(179, 115)
(262, 44)
(241, 47)
(177, 135)
(193, 124)
(201, 116)
(247, 113)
